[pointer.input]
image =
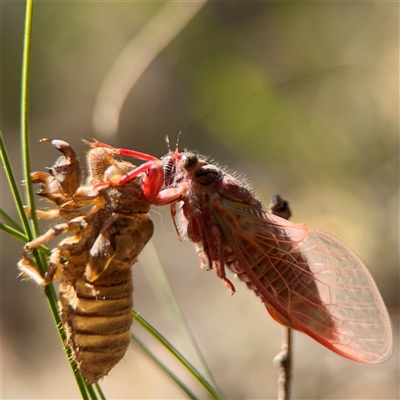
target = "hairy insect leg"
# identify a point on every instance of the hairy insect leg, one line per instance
(57, 213)
(50, 234)
(62, 146)
(66, 169)
(173, 216)
(212, 247)
(152, 183)
(126, 152)
(48, 214)
(29, 269)
(216, 246)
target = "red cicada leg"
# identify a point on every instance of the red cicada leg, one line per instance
(126, 152)
(216, 246)
(153, 169)
(173, 216)
(212, 248)
(153, 182)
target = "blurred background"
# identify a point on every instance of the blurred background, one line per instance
(302, 98)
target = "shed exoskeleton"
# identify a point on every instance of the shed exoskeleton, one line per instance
(108, 226)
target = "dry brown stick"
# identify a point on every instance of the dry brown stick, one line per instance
(281, 208)
(284, 360)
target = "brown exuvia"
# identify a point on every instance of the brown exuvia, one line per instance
(108, 225)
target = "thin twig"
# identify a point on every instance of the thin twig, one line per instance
(281, 208)
(284, 360)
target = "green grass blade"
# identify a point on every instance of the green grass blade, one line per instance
(100, 391)
(25, 92)
(13, 232)
(5, 159)
(173, 376)
(91, 390)
(158, 281)
(22, 237)
(179, 356)
(10, 219)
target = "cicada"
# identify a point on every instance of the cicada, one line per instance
(308, 279)
(109, 225)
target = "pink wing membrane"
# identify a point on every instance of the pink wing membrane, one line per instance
(309, 280)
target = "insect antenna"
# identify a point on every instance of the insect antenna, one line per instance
(87, 141)
(169, 145)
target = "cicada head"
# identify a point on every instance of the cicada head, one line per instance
(180, 167)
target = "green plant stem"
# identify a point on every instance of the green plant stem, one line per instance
(174, 377)
(14, 187)
(91, 390)
(21, 236)
(168, 345)
(25, 94)
(13, 232)
(86, 391)
(100, 391)
(10, 219)
(158, 281)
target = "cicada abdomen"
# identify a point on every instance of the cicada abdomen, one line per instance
(95, 279)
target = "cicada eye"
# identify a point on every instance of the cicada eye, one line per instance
(208, 174)
(190, 161)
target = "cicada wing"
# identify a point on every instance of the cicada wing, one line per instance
(309, 280)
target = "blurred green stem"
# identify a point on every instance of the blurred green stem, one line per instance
(10, 219)
(168, 345)
(14, 186)
(158, 281)
(13, 232)
(167, 370)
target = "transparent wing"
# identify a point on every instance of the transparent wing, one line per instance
(309, 280)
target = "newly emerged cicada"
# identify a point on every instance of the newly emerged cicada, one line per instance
(308, 279)
(109, 225)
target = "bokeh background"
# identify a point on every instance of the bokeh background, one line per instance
(303, 98)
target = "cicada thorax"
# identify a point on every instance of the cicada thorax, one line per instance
(105, 239)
